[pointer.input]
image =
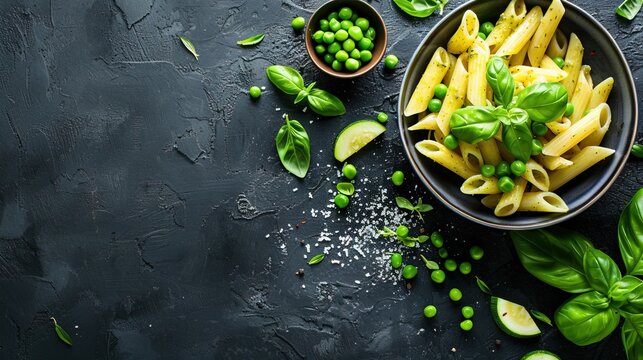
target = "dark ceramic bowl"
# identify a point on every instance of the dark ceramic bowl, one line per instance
(364, 10)
(605, 58)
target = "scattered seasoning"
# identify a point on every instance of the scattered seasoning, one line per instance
(301, 242)
(498, 342)
(299, 272)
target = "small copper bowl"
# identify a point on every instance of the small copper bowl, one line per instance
(364, 10)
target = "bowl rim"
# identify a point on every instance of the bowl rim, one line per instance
(344, 75)
(546, 222)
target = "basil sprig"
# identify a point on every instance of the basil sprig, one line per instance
(421, 8)
(569, 261)
(404, 203)
(293, 147)
(290, 82)
(543, 102)
(629, 8)
(253, 40)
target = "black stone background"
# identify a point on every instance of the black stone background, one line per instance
(138, 186)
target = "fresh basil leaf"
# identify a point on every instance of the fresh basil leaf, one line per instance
(285, 79)
(301, 96)
(293, 147)
(601, 271)
(634, 300)
(630, 234)
(632, 341)
(629, 8)
(430, 264)
(404, 203)
(188, 45)
(636, 321)
(423, 238)
(500, 80)
(483, 286)
(474, 124)
(325, 104)
(408, 242)
(62, 334)
(542, 317)
(424, 208)
(544, 102)
(316, 259)
(637, 151)
(421, 8)
(516, 134)
(624, 288)
(554, 256)
(253, 40)
(586, 318)
(346, 188)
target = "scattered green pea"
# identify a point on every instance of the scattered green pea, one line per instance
(341, 35)
(345, 13)
(346, 24)
(349, 171)
(365, 55)
(467, 312)
(466, 325)
(487, 170)
(298, 23)
(328, 58)
(355, 54)
(539, 129)
(318, 36)
(334, 25)
(337, 65)
(320, 49)
(476, 252)
(486, 28)
(430, 311)
(438, 276)
(536, 147)
(569, 110)
(255, 92)
(341, 201)
(348, 45)
(435, 105)
(503, 169)
(443, 253)
(482, 36)
(437, 240)
(396, 260)
(455, 294)
(402, 231)
(323, 25)
(560, 62)
(451, 142)
(355, 33)
(333, 48)
(352, 64)
(409, 272)
(440, 91)
(450, 265)
(518, 168)
(506, 184)
(341, 56)
(362, 23)
(465, 268)
(390, 61)
(364, 44)
(397, 178)
(382, 117)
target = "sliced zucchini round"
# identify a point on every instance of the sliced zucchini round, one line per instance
(540, 355)
(513, 318)
(355, 136)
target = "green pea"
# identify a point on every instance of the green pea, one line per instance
(348, 45)
(352, 64)
(355, 54)
(370, 33)
(346, 24)
(345, 13)
(486, 28)
(337, 65)
(396, 260)
(443, 253)
(320, 49)
(482, 36)
(476, 252)
(341, 56)
(430, 311)
(334, 48)
(341, 35)
(362, 24)
(451, 142)
(487, 170)
(328, 59)
(559, 61)
(323, 25)
(455, 294)
(465, 268)
(402, 231)
(298, 23)
(371, 47)
(506, 184)
(390, 61)
(440, 91)
(539, 129)
(365, 55)
(409, 272)
(333, 15)
(364, 44)
(354, 17)
(318, 36)
(536, 147)
(382, 117)
(450, 265)
(569, 110)
(255, 92)
(329, 37)
(518, 168)
(341, 201)
(397, 178)
(466, 325)
(349, 171)
(438, 276)
(355, 33)
(503, 169)
(435, 105)
(334, 25)
(436, 239)
(467, 312)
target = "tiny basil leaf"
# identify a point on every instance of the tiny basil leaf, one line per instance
(632, 341)
(474, 124)
(586, 318)
(346, 188)
(637, 151)
(325, 104)
(421, 8)
(544, 102)
(285, 78)
(629, 8)
(542, 317)
(630, 234)
(253, 40)
(301, 96)
(516, 134)
(624, 288)
(424, 208)
(555, 256)
(483, 286)
(601, 271)
(430, 264)
(62, 334)
(404, 203)
(423, 238)
(293, 147)
(188, 45)
(408, 242)
(500, 80)
(316, 259)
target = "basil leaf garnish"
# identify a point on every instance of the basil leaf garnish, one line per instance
(474, 124)
(253, 40)
(630, 234)
(586, 318)
(421, 8)
(500, 80)
(629, 8)
(516, 134)
(542, 317)
(346, 188)
(324, 103)
(293, 147)
(188, 45)
(285, 78)
(632, 341)
(544, 102)
(601, 271)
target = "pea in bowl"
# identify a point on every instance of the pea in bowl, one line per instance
(511, 121)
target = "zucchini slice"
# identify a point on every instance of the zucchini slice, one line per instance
(355, 136)
(540, 355)
(513, 318)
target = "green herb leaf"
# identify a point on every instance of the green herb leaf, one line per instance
(555, 256)
(637, 150)
(304, 93)
(346, 188)
(630, 234)
(474, 123)
(188, 45)
(625, 288)
(325, 104)
(285, 79)
(544, 102)
(431, 265)
(408, 242)
(62, 334)
(404, 203)
(633, 303)
(316, 259)
(293, 147)
(586, 318)
(516, 134)
(253, 40)
(542, 317)
(632, 341)
(500, 80)
(483, 286)
(386, 232)
(423, 238)
(629, 8)
(601, 271)
(421, 8)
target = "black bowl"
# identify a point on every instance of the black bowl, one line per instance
(605, 58)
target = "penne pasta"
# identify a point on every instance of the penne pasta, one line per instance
(567, 139)
(471, 155)
(445, 157)
(537, 175)
(491, 201)
(558, 45)
(582, 93)
(585, 159)
(433, 75)
(542, 201)
(456, 93)
(545, 32)
(595, 138)
(519, 57)
(449, 75)
(553, 162)
(465, 35)
(510, 201)
(477, 86)
(429, 122)
(558, 127)
(573, 62)
(600, 93)
(490, 152)
(548, 63)
(530, 74)
(508, 21)
(520, 37)
(480, 185)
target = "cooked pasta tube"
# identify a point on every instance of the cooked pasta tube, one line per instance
(508, 21)
(428, 122)
(582, 93)
(456, 93)
(465, 35)
(567, 139)
(477, 85)
(445, 157)
(433, 75)
(585, 159)
(491, 201)
(553, 162)
(573, 62)
(520, 37)
(480, 185)
(558, 127)
(558, 45)
(490, 152)
(529, 74)
(545, 32)
(471, 155)
(542, 201)
(449, 75)
(600, 93)
(519, 58)
(537, 175)
(510, 201)
(595, 138)
(548, 63)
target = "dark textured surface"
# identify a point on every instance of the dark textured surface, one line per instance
(139, 185)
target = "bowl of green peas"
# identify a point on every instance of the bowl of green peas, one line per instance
(346, 38)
